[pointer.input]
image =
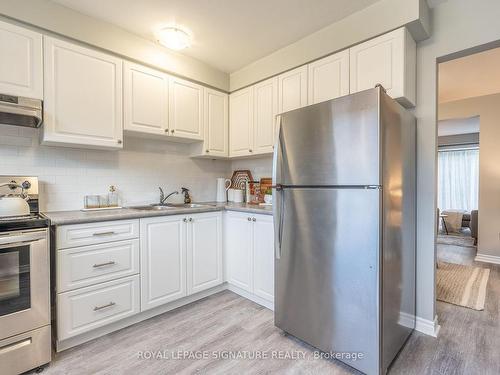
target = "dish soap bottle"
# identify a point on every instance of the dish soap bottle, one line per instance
(187, 198)
(112, 197)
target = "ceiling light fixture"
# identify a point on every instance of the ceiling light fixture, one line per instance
(173, 38)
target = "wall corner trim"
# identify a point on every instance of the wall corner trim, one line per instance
(428, 327)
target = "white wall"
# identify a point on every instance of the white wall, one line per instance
(379, 18)
(66, 174)
(457, 25)
(488, 109)
(260, 167)
(58, 19)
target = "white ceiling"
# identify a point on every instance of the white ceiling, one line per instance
(470, 76)
(227, 34)
(458, 126)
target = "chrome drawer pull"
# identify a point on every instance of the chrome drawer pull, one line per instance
(110, 263)
(97, 308)
(104, 234)
(15, 345)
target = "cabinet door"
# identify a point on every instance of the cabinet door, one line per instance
(292, 89)
(163, 260)
(185, 109)
(241, 122)
(263, 257)
(238, 248)
(83, 96)
(21, 63)
(389, 60)
(204, 255)
(216, 123)
(145, 99)
(328, 78)
(265, 110)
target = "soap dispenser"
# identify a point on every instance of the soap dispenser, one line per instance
(187, 198)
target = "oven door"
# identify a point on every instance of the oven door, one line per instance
(24, 281)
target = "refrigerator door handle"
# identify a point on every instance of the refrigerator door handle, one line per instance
(278, 191)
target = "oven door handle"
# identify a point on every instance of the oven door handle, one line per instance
(22, 237)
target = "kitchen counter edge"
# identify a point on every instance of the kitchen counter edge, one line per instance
(81, 217)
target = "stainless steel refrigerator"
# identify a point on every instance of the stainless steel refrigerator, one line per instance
(344, 213)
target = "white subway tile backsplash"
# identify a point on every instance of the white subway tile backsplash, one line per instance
(67, 175)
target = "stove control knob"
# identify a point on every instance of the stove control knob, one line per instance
(26, 185)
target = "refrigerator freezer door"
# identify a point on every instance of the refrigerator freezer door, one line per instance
(332, 143)
(327, 288)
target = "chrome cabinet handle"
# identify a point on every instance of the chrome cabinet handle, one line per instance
(119, 141)
(104, 233)
(97, 308)
(110, 263)
(172, 131)
(254, 219)
(185, 220)
(166, 130)
(190, 219)
(249, 218)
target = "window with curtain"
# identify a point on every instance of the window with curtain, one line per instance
(458, 179)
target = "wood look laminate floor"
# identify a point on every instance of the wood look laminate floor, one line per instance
(469, 341)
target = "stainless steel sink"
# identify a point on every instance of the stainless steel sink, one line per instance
(153, 207)
(188, 205)
(169, 206)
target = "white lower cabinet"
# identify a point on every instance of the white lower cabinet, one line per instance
(204, 252)
(85, 309)
(180, 255)
(88, 265)
(249, 250)
(263, 257)
(163, 260)
(238, 246)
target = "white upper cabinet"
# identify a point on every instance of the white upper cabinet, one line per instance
(390, 60)
(145, 99)
(292, 89)
(185, 109)
(83, 96)
(265, 110)
(21, 62)
(241, 120)
(216, 118)
(328, 78)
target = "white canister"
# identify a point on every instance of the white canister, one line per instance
(237, 195)
(223, 185)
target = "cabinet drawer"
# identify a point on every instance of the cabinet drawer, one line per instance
(88, 308)
(88, 265)
(96, 233)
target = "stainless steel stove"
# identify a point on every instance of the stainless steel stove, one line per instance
(25, 335)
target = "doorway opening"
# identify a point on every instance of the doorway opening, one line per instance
(467, 243)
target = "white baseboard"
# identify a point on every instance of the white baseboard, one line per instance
(428, 327)
(487, 258)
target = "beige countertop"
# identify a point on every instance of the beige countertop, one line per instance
(79, 217)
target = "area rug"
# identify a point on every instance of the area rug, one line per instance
(455, 240)
(462, 285)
